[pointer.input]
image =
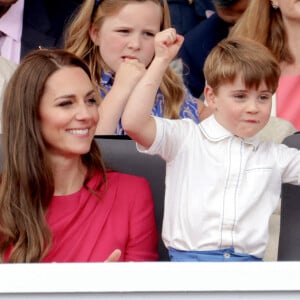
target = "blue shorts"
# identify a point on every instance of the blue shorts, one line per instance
(227, 254)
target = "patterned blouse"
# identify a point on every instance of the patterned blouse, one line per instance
(189, 108)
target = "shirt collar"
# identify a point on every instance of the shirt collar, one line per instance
(216, 132)
(11, 23)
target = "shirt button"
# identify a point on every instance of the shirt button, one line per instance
(226, 255)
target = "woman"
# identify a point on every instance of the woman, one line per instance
(57, 201)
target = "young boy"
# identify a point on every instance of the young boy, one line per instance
(222, 182)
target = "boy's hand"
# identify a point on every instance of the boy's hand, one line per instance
(167, 44)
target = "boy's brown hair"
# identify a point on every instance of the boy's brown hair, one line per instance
(240, 56)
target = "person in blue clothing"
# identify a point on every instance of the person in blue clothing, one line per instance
(186, 14)
(116, 39)
(200, 40)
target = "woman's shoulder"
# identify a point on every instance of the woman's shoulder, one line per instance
(121, 186)
(117, 178)
(129, 189)
(125, 179)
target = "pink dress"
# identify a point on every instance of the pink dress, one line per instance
(87, 229)
(288, 99)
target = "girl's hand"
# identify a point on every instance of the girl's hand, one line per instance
(167, 44)
(128, 74)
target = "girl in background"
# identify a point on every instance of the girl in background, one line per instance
(116, 39)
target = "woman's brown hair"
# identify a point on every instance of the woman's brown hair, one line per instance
(263, 23)
(27, 183)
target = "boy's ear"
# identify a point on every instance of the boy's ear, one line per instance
(210, 96)
(94, 33)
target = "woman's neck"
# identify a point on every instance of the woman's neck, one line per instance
(68, 175)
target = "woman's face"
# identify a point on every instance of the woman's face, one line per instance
(129, 34)
(290, 9)
(68, 112)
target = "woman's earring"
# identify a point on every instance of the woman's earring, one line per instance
(274, 5)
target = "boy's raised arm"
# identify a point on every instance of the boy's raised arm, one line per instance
(136, 119)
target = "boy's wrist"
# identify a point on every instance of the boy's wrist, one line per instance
(161, 61)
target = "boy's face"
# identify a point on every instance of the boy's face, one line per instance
(242, 111)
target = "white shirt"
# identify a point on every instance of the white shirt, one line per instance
(220, 189)
(6, 70)
(11, 23)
